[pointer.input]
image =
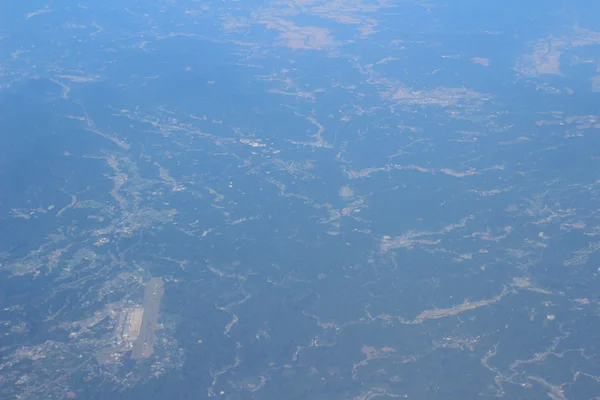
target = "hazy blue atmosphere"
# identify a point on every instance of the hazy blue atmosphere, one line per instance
(299, 200)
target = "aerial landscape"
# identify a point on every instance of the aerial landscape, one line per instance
(299, 200)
